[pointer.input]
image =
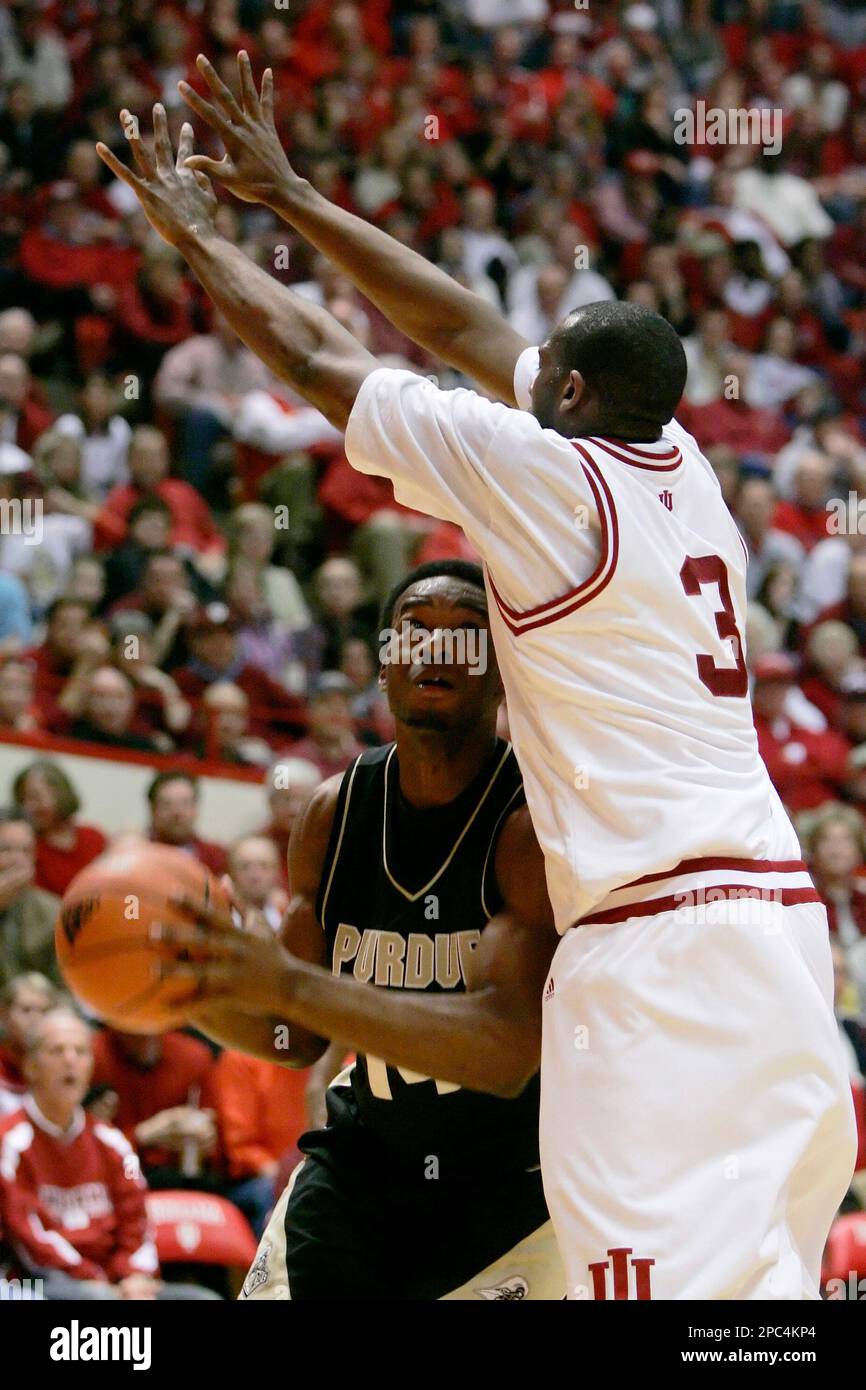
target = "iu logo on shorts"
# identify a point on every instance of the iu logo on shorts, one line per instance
(621, 1263)
(667, 499)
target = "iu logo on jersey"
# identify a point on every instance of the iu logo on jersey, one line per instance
(667, 499)
(622, 1267)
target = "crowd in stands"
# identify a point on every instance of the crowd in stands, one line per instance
(196, 572)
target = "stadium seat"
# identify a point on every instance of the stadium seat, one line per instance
(845, 1252)
(200, 1228)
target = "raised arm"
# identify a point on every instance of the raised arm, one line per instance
(448, 320)
(300, 342)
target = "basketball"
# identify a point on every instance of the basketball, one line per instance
(102, 935)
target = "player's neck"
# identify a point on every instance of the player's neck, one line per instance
(436, 767)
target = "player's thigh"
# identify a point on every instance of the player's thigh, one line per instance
(689, 1069)
(532, 1269)
(318, 1243)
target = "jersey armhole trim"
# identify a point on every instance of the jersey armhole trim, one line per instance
(339, 844)
(519, 622)
(508, 809)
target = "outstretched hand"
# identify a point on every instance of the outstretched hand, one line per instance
(254, 165)
(179, 203)
(221, 962)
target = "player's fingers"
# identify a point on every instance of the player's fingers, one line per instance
(140, 154)
(214, 915)
(205, 168)
(184, 146)
(221, 92)
(118, 168)
(162, 140)
(248, 87)
(267, 97)
(209, 114)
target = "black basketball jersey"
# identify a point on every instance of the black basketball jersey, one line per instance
(405, 894)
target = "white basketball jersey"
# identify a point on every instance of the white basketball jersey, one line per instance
(616, 578)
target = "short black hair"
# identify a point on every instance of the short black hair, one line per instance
(150, 503)
(67, 601)
(162, 778)
(434, 569)
(630, 358)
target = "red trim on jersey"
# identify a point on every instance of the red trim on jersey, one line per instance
(734, 892)
(524, 621)
(742, 866)
(623, 449)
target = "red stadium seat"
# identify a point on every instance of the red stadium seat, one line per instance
(844, 1271)
(200, 1228)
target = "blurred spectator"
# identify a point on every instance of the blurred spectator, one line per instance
(255, 538)
(161, 712)
(200, 384)
(215, 655)
(225, 714)
(339, 612)
(107, 713)
(805, 516)
(370, 712)
(193, 530)
(807, 767)
(27, 913)
(831, 655)
(261, 1115)
(148, 533)
(165, 1086)
(290, 783)
(103, 434)
(254, 866)
(61, 651)
(166, 596)
(16, 630)
(836, 849)
(23, 1000)
(331, 743)
(22, 418)
(262, 640)
(173, 798)
(18, 713)
(754, 509)
(71, 1193)
(63, 846)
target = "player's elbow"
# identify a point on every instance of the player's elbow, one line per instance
(512, 1059)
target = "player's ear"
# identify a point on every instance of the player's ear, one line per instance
(573, 391)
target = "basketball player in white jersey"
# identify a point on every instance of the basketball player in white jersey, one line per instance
(697, 1128)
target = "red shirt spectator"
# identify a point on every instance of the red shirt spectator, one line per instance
(173, 798)
(806, 768)
(193, 527)
(63, 848)
(71, 1201)
(260, 1110)
(153, 1075)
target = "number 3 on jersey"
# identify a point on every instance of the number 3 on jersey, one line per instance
(719, 680)
(377, 1076)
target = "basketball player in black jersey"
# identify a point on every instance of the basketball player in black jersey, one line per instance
(419, 935)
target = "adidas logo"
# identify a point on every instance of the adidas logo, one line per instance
(549, 989)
